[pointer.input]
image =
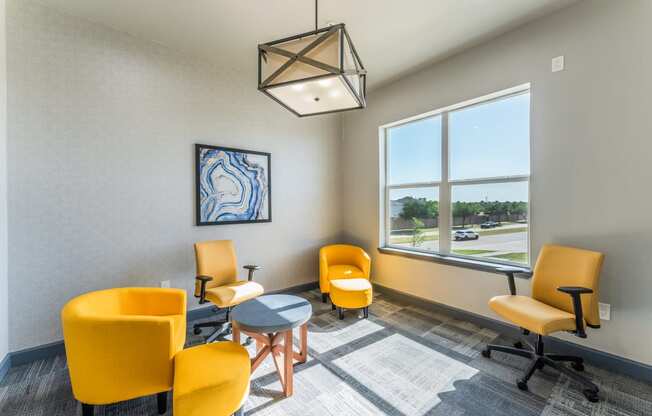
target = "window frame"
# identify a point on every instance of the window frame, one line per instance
(445, 185)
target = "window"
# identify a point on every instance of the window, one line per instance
(457, 180)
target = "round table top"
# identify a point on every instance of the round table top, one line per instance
(272, 313)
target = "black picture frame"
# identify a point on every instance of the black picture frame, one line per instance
(198, 217)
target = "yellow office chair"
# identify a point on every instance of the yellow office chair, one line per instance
(341, 261)
(217, 282)
(120, 344)
(561, 276)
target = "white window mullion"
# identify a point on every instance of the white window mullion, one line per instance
(444, 192)
(387, 207)
(484, 181)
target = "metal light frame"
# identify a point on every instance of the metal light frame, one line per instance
(327, 32)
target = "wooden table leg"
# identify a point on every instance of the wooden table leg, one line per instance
(276, 345)
(289, 369)
(236, 333)
(302, 355)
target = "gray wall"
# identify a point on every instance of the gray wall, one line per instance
(101, 183)
(591, 152)
(4, 294)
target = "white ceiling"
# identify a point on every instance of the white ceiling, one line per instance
(393, 37)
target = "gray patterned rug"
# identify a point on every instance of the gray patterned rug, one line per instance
(401, 361)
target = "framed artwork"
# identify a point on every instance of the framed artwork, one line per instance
(233, 186)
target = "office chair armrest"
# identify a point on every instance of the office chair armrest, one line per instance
(510, 272)
(252, 268)
(202, 291)
(575, 292)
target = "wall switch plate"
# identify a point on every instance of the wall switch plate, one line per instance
(605, 311)
(558, 64)
(165, 283)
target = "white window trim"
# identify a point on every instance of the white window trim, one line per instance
(445, 185)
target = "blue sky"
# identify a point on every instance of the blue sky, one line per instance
(485, 140)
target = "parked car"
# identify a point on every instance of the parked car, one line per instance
(490, 224)
(461, 235)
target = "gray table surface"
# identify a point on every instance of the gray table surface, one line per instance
(272, 313)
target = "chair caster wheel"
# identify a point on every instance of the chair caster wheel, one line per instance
(591, 395)
(522, 385)
(577, 366)
(519, 345)
(248, 341)
(196, 331)
(486, 353)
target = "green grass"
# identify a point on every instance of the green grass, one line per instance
(496, 231)
(515, 257)
(471, 252)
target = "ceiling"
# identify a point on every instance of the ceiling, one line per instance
(393, 37)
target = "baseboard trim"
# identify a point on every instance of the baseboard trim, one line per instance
(39, 352)
(605, 360)
(52, 349)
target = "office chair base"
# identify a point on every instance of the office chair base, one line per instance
(223, 329)
(539, 359)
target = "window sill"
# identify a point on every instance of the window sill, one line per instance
(455, 261)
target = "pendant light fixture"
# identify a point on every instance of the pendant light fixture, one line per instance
(313, 73)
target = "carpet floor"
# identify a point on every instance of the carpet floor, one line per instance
(401, 361)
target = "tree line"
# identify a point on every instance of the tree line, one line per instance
(494, 210)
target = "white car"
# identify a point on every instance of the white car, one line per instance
(461, 235)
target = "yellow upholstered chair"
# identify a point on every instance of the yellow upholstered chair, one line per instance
(211, 379)
(341, 261)
(120, 344)
(565, 295)
(217, 282)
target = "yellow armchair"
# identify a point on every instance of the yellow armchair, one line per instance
(120, 344)
(341, 261)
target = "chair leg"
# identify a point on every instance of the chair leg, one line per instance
(324, 297)
(565, 358)
(87, 409)
(591, 391)
(508, 350)
(340, 313)
(162, 401)
(332, 306)
(219, 333)
(239, 412)
(211, 324)
(534, 365)
(366, 312)
(539, 359)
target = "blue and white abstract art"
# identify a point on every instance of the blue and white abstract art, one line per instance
(233, 185)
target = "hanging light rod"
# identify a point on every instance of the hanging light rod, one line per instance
(313, 73)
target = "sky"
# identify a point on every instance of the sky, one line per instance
(485, 140)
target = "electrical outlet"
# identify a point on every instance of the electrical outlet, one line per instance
(558, 64)
(605, 311)
(165, 283)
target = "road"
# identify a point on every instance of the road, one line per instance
(508, 243)
(499, 243)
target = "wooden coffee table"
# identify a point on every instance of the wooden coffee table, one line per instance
(270, 320)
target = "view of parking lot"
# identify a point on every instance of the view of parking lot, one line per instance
(506, 243)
